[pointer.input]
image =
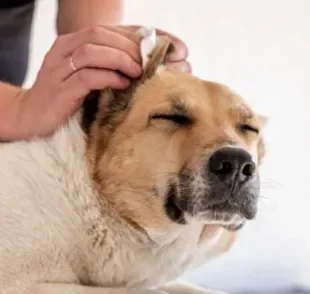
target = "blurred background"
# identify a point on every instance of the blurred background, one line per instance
(261, 49)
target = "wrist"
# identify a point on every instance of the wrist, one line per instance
(87, 14)
(11, 127)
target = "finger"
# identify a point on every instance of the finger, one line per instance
(94, 56)
(132, 35)
(107, 58)
(180, 66)
(67, 44)
(179, 51)
(83, 81)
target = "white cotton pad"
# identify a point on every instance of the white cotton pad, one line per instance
(147, 44)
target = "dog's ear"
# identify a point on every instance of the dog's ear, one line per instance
(104, 109)
(114, 103)
(157, 58)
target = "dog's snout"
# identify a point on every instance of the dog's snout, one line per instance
(232, 164)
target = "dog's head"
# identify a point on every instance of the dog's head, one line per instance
(172, 149)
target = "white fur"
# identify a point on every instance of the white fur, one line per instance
(46, 209)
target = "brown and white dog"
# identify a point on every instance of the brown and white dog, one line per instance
(138, 187)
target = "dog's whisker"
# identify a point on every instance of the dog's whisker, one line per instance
(267, 181)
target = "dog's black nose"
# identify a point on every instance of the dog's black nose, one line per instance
(231, 164)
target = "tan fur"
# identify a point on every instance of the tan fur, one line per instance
(85, 212)
(216, 110)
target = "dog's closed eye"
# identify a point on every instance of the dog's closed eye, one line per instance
(177, 118)
(245, 128)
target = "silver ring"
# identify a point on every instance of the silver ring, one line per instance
(72, 65)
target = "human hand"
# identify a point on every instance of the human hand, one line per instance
(177, 57)
(95, 58)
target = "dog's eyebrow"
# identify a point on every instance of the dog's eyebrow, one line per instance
(245, 113)
(177, 105)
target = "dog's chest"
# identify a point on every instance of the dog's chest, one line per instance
(159, 265)
(153, 265)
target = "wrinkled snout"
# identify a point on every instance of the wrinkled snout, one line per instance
(224, 191)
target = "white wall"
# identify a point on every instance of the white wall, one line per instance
(261, 49)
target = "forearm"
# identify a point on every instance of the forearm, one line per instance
(8, 112)
(74, 15)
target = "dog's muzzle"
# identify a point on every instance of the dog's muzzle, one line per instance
(224, 190)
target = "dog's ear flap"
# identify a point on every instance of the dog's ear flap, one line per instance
(154, 63)
(106, 108)
(116, 101)
(113, 101)
(156, 60)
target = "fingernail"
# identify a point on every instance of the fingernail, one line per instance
(137, 69)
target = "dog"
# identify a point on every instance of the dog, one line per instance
(138, 187)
